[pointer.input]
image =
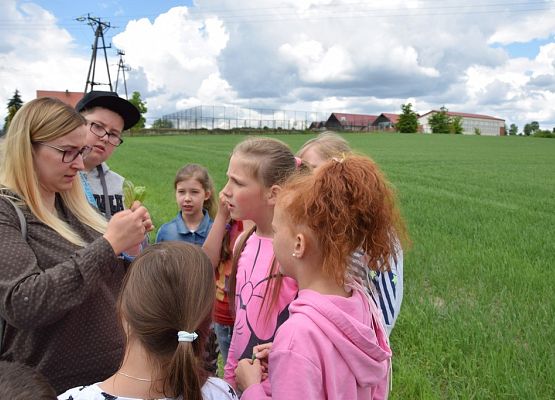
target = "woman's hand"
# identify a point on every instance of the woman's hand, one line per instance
(127, 228)
(248, 373)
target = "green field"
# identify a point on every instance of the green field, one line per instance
(478, 316)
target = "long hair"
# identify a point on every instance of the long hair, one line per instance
(201, 175)
(271, 162)
(327, 144)
(347, 204)
(44, 119)
(170, 288)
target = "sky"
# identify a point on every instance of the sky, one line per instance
(492, 57)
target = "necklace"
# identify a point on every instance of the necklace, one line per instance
(134, 377)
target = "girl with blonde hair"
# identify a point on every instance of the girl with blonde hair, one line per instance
(259, 297)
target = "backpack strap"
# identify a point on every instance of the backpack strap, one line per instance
(22, 221)
(23, 225)
(107, 204)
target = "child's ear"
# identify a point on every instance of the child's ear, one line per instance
(273, 193)
(207, 194)
(300, 245)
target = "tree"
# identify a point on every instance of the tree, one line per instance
(141, 106)
(439, 122)
(531, 128)
(161, 123)
(14, 104)
(455, 125)
(513, 130)
(408, 120)
(535, 126)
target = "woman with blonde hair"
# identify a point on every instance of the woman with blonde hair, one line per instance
(60, 270)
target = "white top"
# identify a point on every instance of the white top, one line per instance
(213, 389)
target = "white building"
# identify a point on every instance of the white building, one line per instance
(488, 126)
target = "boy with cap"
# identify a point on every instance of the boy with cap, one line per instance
(107, 115)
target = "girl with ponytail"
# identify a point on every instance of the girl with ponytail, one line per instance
(165, 308)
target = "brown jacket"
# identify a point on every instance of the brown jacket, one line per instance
(58, 299)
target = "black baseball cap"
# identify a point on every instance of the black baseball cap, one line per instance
(112, 102)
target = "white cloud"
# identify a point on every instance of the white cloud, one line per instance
(519, 90)
(534, 26)
(177, 56)
(36, 54)
(316, 64)
(321, 55)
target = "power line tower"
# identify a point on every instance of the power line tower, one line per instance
(99, 27)
(122, 67)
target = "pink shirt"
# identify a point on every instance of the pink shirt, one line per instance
(330, 348)
(253, 327)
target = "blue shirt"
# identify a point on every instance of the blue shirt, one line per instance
(177, 230)
(87, 189)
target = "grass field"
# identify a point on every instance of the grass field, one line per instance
(478, 316)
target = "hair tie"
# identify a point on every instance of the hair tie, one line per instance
(298, 162)
(339, 159)
(184, 336)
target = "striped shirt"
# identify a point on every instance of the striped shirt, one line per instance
(385, 288)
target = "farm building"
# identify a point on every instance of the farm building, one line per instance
(385, 122)
(352, 122)
(70, 98)
(318, 125)
(488, 126)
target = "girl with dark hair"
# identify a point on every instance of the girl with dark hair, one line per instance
(165, 307)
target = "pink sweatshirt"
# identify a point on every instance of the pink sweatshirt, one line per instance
(331, 347)
(251, 326)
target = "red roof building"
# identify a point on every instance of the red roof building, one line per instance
(386, 122)
(70, 98)
(353, 122)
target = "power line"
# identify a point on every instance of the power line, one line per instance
(122, 67)
(99, 27)
(334, 11)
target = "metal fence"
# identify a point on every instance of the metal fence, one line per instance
(224, 117)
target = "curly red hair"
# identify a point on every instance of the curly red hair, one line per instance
(348, 204)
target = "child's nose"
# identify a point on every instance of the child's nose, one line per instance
(225, 191)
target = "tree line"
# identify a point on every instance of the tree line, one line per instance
(440, 122)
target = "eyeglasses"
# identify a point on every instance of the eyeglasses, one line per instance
(69, 155)
(113, 139)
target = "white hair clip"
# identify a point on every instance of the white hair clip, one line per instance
(183, 336)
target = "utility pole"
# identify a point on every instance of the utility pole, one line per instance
(122, 67)
(98, 27)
